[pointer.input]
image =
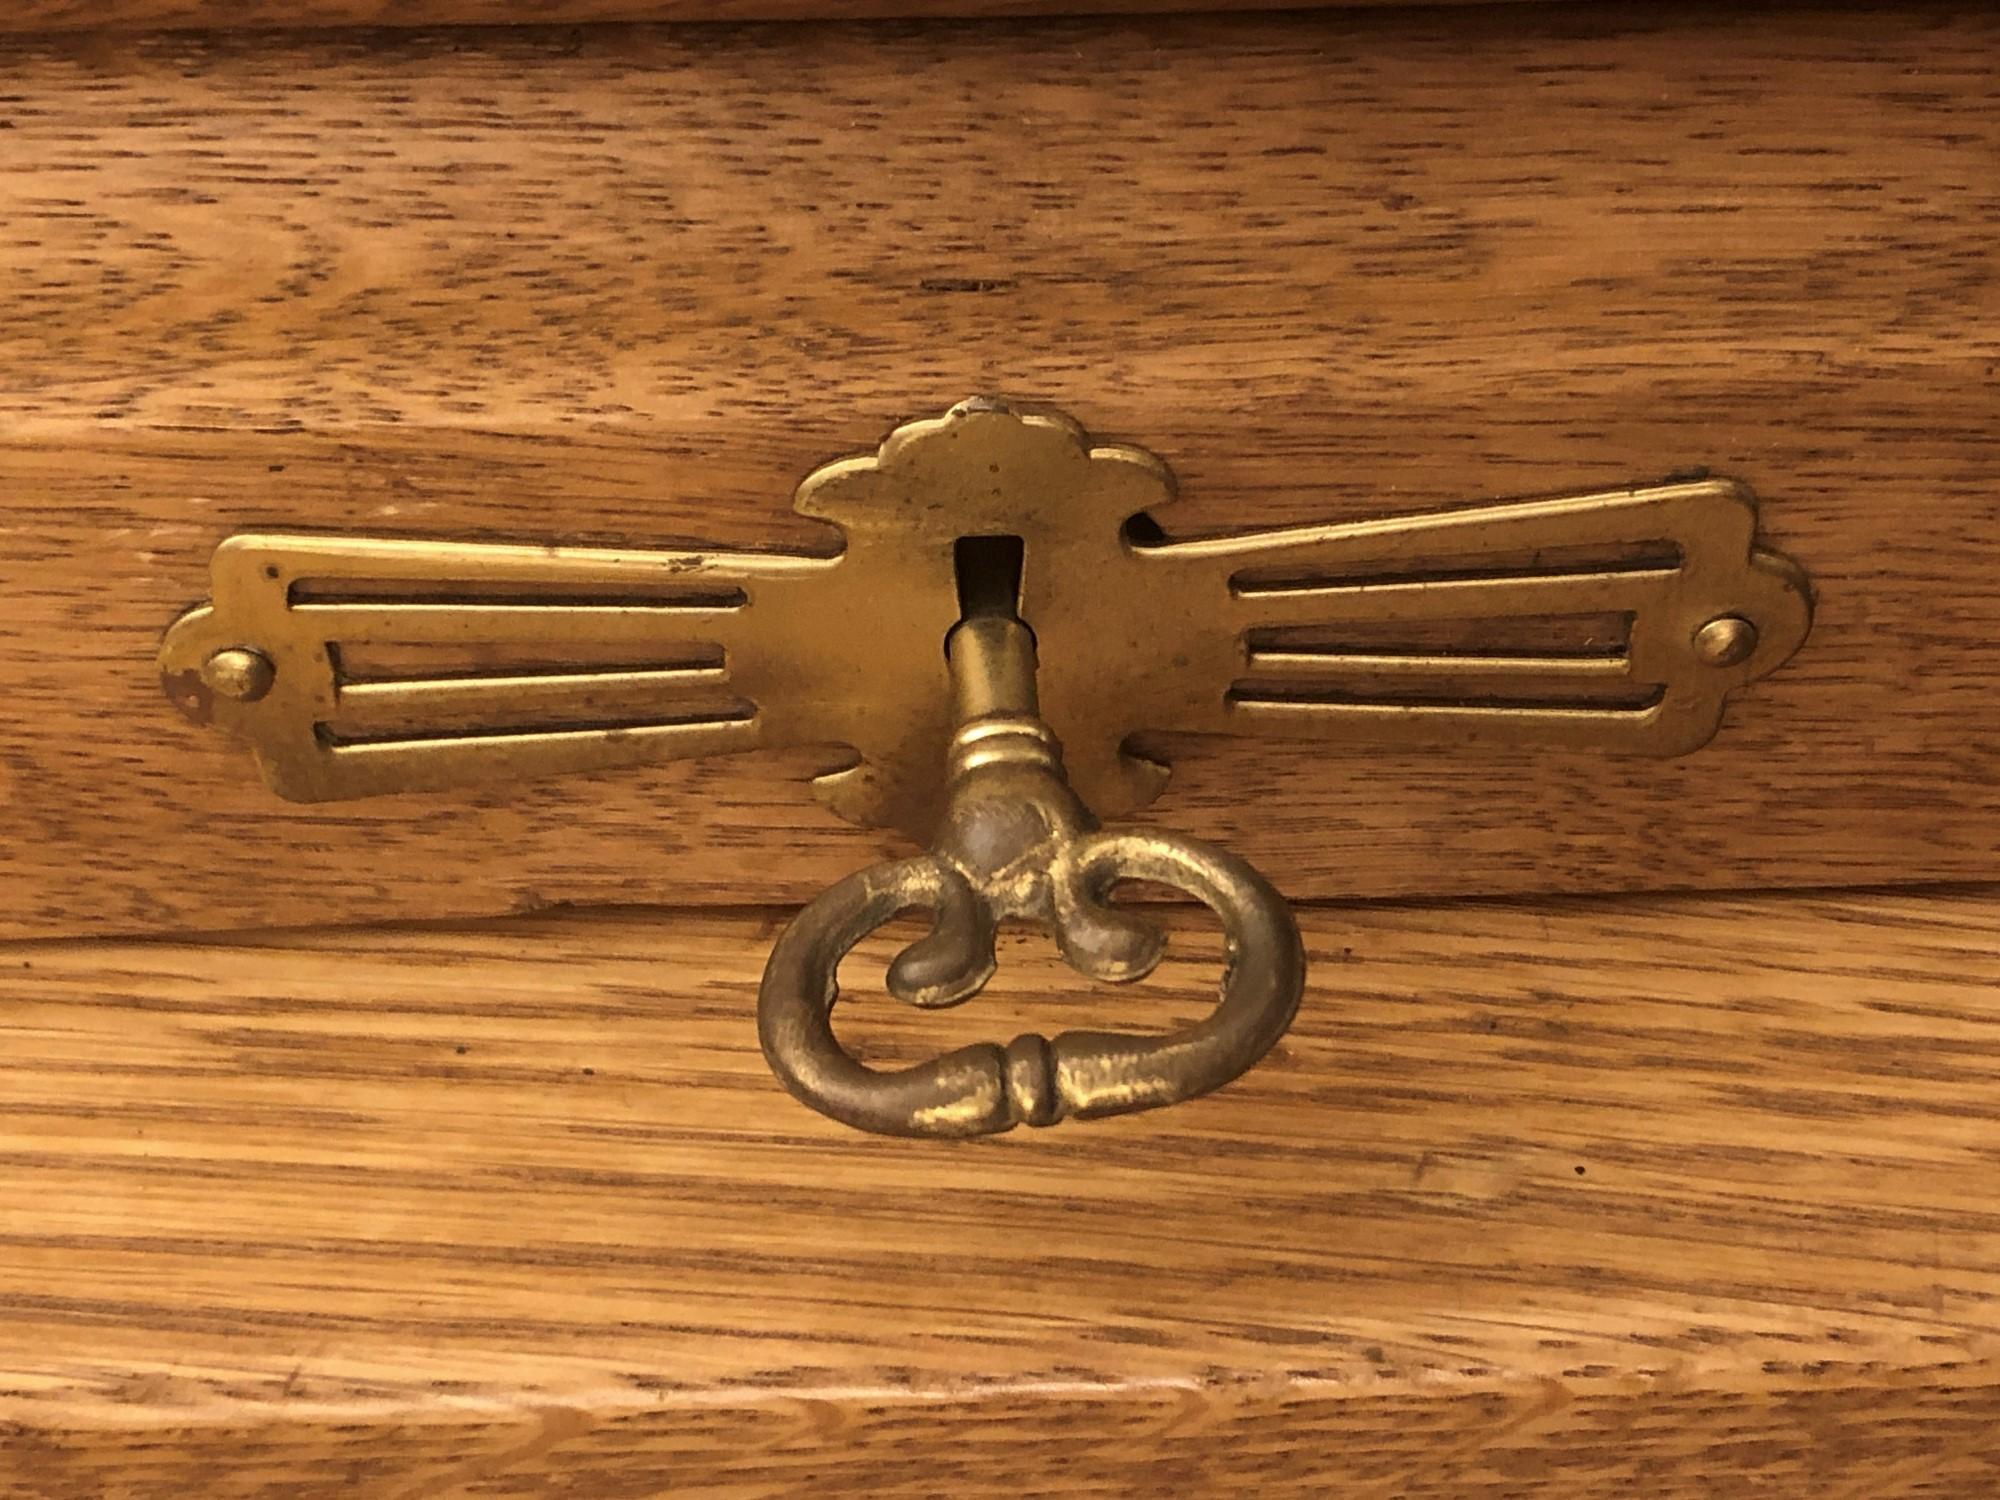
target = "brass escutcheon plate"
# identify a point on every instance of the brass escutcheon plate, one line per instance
(357, 666)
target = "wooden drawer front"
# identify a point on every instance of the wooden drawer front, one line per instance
(1573, 1201)
(630, 285)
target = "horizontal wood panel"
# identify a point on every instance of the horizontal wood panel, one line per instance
(631, 286)
(103, 15)
(1682, 1198)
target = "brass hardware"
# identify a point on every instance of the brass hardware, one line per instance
(1725, 641)
(566, 659)
(1016, 842)
(1619, 620)
(240, 675)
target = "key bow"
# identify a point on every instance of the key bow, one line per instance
(1016, 841)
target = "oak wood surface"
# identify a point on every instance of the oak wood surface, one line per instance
(632, 284)
(105, 15)
(1668, 1197)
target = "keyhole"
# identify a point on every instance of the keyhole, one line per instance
(988, 570)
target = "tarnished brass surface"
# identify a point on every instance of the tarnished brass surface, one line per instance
(1016, 842)
(1381, 631)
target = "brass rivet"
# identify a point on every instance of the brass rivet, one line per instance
(239, 674)
(1725, 641)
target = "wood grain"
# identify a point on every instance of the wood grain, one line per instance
(104, 15)
(633, 284)
(1673, 1197)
